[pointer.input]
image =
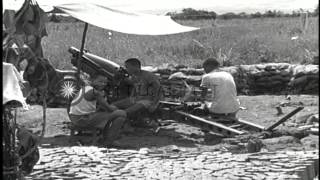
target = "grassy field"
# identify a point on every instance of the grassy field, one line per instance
(238, 41)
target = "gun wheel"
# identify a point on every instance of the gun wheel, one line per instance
(69, 88)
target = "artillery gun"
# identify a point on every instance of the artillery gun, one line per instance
(91, 64)
(185, 112)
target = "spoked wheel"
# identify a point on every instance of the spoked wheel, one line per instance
(69, 89)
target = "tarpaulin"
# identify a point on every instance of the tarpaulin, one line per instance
(108, 17)
(11, 80)
(125, 22)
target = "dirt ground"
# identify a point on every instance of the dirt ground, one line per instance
(175, 136)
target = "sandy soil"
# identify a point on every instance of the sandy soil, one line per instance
(175, 136)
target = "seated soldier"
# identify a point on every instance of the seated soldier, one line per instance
(146, 92)
(224, 102)
(84, 113)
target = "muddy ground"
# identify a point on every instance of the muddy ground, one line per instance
(175, 136)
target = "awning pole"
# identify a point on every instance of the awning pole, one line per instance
(81, 51)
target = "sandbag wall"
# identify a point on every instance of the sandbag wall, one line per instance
(267, 78)
(271, 78)
(258, 79)
(305, 79)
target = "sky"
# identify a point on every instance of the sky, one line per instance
(219, 6)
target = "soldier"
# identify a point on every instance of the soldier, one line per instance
(146, 93)
(223, 102)
(84, 111)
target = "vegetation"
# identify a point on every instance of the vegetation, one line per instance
(233, 41)
(192, 14)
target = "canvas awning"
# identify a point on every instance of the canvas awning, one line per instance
(125, 22)
(107, 17)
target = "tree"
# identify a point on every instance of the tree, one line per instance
(229, 15)
(213, 15)
(256, 15)
(270, 13)
(189, 13)
(243, 15)
(279, 14)
(295, 14)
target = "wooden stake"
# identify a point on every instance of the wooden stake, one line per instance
(201, 120)
(282, 120)
(81, 51)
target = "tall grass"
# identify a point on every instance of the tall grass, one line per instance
(238, 41)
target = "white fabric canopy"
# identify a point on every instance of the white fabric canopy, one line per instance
(10, 85)
(125, 22)
(107, 17)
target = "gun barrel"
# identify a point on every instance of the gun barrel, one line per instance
(95, 63)
(103, 62)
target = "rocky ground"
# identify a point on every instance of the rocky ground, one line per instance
(102, 163)
(179, 145)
